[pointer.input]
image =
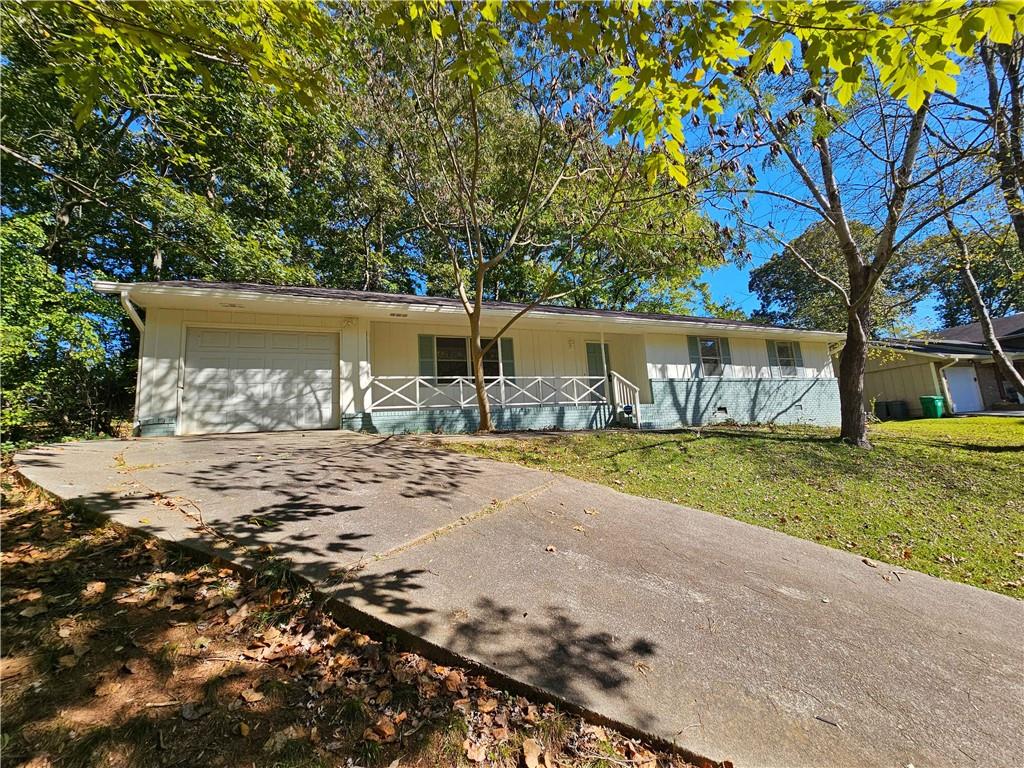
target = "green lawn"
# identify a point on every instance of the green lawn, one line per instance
(941, 496)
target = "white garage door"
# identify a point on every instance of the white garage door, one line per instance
(259, 381)
(963, 388)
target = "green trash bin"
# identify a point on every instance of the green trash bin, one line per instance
(933, 406)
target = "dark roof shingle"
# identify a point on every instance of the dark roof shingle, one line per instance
(1003, 326)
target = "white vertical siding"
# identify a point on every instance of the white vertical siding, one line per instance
(668, 357)
(388, 348)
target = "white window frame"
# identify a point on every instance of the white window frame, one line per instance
(717, 359)
(788, 368)
(469, 358)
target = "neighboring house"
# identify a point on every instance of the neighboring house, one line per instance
(953, 363)
(226, 357)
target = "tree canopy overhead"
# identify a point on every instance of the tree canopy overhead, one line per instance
(674, 60)
(253, 141)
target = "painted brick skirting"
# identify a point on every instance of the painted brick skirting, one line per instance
(677, 403)
(461, 420)
(682, 402)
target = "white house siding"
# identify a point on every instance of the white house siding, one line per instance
(389, 348)
(394, 351)
(162, 358)
(668, 357)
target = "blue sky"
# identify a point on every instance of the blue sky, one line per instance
(730, 282)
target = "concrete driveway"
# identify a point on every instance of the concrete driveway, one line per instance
(733, 641)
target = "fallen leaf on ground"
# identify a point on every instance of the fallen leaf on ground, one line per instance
(549, 548)
(532, 751)
(192, 711)
(94, 591)
(382, 730)
(251, 695)
(276, 742)
(486, 705)
(590, 511)
(32, 611)
(475, 753)
(454, 681)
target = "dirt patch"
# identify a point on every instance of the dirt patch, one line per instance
(119, 652)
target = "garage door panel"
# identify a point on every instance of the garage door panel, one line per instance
(317, 343)
(244, 381)
(287, 341)
(208, 339)
(250, 339)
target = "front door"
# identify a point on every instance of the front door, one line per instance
(963, 389)
(596, 367)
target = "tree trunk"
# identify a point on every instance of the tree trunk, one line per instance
(852, 363)
(477, 357)
(999, 357)
(1006, 147)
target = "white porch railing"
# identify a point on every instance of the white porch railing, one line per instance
(626, 397)
(422, 392)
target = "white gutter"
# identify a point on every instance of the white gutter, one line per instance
(156, 290)
(132, 313)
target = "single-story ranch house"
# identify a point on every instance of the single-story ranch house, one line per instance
(952, 363)
(235, 357)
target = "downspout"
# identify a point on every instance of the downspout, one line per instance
(944, 384)
(130, 310)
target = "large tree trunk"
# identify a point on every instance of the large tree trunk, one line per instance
(999, 357)
(1006, 128)
(477, 355)
(852, 363)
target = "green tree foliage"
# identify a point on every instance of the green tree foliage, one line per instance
(54, 338)
(671, 60)
(516, 190)
(998, 266)
(218, 175)
(791, 295)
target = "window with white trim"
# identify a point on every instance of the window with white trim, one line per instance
(452, 358)
(786, 352)
(711, 361)
(447, 358)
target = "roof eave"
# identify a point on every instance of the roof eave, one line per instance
(136, 292)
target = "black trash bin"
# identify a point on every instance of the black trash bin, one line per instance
(882, 410)
(898, 410)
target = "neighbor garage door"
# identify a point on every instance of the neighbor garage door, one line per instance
(258, 381)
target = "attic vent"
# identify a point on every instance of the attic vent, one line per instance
(722, 410)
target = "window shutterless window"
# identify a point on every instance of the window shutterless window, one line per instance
(709, 355)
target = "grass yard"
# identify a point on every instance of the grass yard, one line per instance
(945, 497)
